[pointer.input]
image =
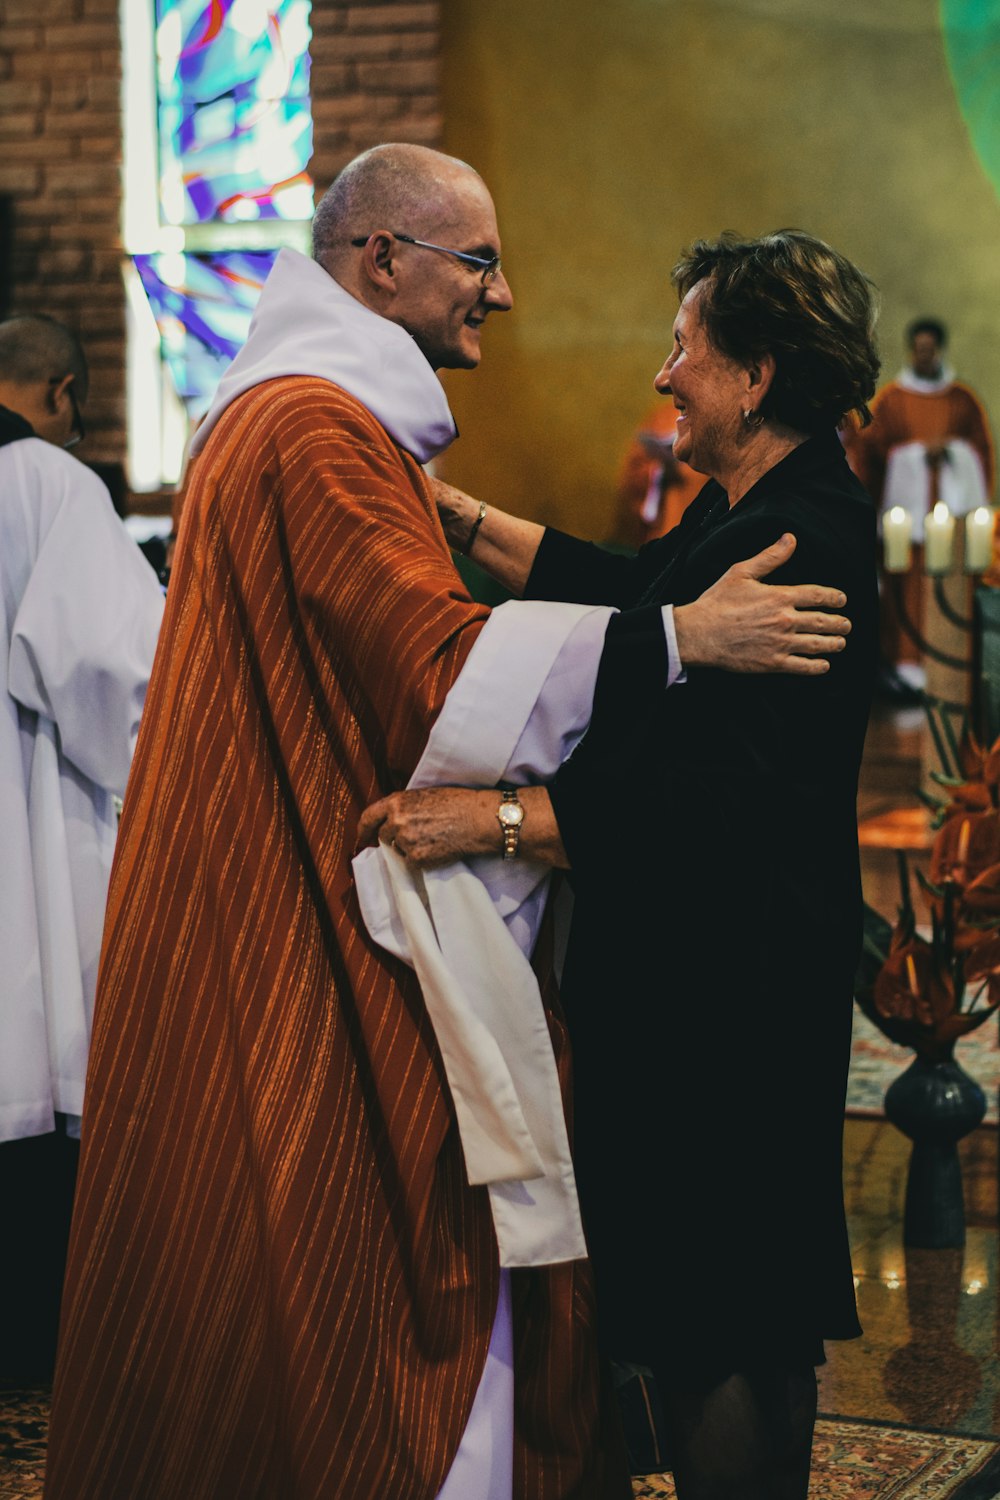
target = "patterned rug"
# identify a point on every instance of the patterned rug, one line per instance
(852, 1460)
(875, 1062)
(24, 1425)
(861, 1461)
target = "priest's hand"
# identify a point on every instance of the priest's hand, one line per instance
(743, 624)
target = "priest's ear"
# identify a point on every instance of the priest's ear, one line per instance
(378, 259)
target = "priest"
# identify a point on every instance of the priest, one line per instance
(929, 441)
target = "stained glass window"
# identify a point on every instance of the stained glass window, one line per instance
(235, 130)
(202, 305)
(218, 137)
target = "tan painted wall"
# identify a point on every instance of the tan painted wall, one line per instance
(612, 132)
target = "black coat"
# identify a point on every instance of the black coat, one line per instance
(713, 837)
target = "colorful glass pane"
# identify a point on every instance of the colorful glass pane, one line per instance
(202, 305)
(234, 120)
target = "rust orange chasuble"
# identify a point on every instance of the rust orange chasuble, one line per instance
(280, 1285)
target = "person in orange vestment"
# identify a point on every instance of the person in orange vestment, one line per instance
(280, 1281)
(282, 1285)
(654, 487)
(929, 440)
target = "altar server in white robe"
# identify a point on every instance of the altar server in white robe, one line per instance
(80, 609)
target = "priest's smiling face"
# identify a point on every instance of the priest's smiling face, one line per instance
(709, 391)
(442, 301)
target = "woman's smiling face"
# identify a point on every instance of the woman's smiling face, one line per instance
(709, 390)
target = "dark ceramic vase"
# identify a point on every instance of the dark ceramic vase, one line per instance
(935, 1104)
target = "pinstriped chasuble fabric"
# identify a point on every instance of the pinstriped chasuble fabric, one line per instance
(280, 1285)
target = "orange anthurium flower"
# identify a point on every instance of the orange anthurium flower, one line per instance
(909, 985)
(972, 796)
(917, 995)
(982, 953)
(981, 769)
(977, 948)
(970, 757)
(965, 846)
(982, 894)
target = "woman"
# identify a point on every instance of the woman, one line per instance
(711, 836)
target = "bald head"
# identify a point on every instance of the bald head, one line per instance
(412, 234)
(43, 376)
(395, 186)
(35, 348)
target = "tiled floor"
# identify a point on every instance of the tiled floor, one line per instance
(930, 1355)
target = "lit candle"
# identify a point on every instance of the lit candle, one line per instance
(896, 531)
(939, 539)
(978, 540)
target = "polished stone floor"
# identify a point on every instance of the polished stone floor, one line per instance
(930, 1355)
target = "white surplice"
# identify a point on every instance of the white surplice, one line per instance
(961, 482)
(81, 610)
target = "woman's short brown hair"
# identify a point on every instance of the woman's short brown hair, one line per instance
(790, 295)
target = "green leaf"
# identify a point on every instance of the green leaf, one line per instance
(989, 925)
(928, 885)
(876, 940)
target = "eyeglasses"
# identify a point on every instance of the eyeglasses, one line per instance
(489, 267)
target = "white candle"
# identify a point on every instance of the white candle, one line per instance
(896, 531)
(939, 539)
(978, 540)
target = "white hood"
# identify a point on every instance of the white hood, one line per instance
(926, 385)
(306, 324)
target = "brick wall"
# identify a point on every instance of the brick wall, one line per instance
(60, 155)
(374, 78)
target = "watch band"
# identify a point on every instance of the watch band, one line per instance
(510, 816)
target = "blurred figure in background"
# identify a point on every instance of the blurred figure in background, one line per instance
(929, 440)
(654, 488)
(79, 615)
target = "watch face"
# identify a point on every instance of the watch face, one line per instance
(511, 814)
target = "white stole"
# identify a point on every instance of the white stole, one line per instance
(518, 707)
